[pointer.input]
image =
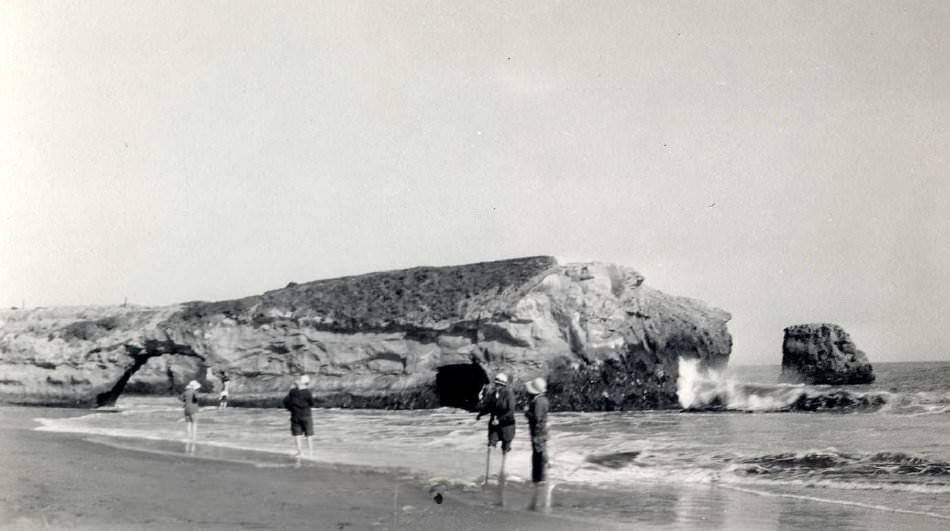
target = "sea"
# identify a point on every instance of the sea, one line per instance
(751, 461)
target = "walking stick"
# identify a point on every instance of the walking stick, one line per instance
(502, 480)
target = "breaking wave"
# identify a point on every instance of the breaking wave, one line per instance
(701, 389)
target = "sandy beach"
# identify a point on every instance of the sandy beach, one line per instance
(67, 480)
(55, 480)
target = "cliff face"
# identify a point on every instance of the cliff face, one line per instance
(823, 353)
(419, 337)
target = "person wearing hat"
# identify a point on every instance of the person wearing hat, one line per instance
(537, 413)
(225, 391)
(299, 402)
(190, 398)
(500, 406)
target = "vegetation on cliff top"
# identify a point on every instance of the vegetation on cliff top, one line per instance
(413, 297)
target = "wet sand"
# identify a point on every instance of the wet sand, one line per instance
(59, 480)
(63, 480)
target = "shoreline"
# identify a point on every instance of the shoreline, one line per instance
(69, 480)
(90, 481)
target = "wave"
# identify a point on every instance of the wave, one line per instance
(828, 469)
(918, 404)
(880, 465)
(701, 389)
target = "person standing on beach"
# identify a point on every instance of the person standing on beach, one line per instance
(299, 402)
(537, 413)
(500, 406)
(190, 398)
(225, 391)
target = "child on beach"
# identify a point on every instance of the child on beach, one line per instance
(225, 390)
(299, 402)
(190, 398)
(537, 413)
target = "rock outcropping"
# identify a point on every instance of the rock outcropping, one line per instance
(823, 353)
(414, 338)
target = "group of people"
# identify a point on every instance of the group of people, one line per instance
(497, 401)
(298, 401)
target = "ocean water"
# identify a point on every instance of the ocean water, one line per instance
(890, 455)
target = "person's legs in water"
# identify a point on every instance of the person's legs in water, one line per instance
(307, 425)
(297, 431)
(191, 429)
(538, 476)
(494, 436)
(506, 434)
(298, 444)
(301, 428)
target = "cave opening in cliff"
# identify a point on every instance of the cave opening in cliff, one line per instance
(459, 385)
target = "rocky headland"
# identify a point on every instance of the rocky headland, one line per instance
(823, 353)
(415, 338)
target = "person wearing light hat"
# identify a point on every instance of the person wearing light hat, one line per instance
(225, 391)
(500, 406)
(190, 398)
(299, 402)
(537, 413)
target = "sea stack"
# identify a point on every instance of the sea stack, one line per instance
(414, 338)
(823, 353)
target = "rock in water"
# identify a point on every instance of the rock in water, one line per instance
(823, 353)
(413, 338)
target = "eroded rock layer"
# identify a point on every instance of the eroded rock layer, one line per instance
(413, 338)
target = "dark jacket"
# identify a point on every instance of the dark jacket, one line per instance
(537, 413)
(299, 402)
(190, 398)
(500, 404)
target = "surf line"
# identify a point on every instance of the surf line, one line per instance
(835, 502)
(103, 440)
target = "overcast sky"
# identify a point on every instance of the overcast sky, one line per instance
(788, 162)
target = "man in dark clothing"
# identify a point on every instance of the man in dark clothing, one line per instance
(299, 402)
(500, 406)
(537, 413)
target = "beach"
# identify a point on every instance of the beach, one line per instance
(60, 480)
(82, 469)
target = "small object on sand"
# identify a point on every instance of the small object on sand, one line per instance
(436, 493)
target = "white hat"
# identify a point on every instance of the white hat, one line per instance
(303, 379)
(194, 385)
(501, 378)
(537, 386)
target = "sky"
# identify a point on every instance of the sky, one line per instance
(788, 162)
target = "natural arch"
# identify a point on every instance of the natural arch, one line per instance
(140, 355)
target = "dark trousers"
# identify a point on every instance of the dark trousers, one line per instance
(539, 461)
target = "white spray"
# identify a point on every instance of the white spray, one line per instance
(699, 387)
